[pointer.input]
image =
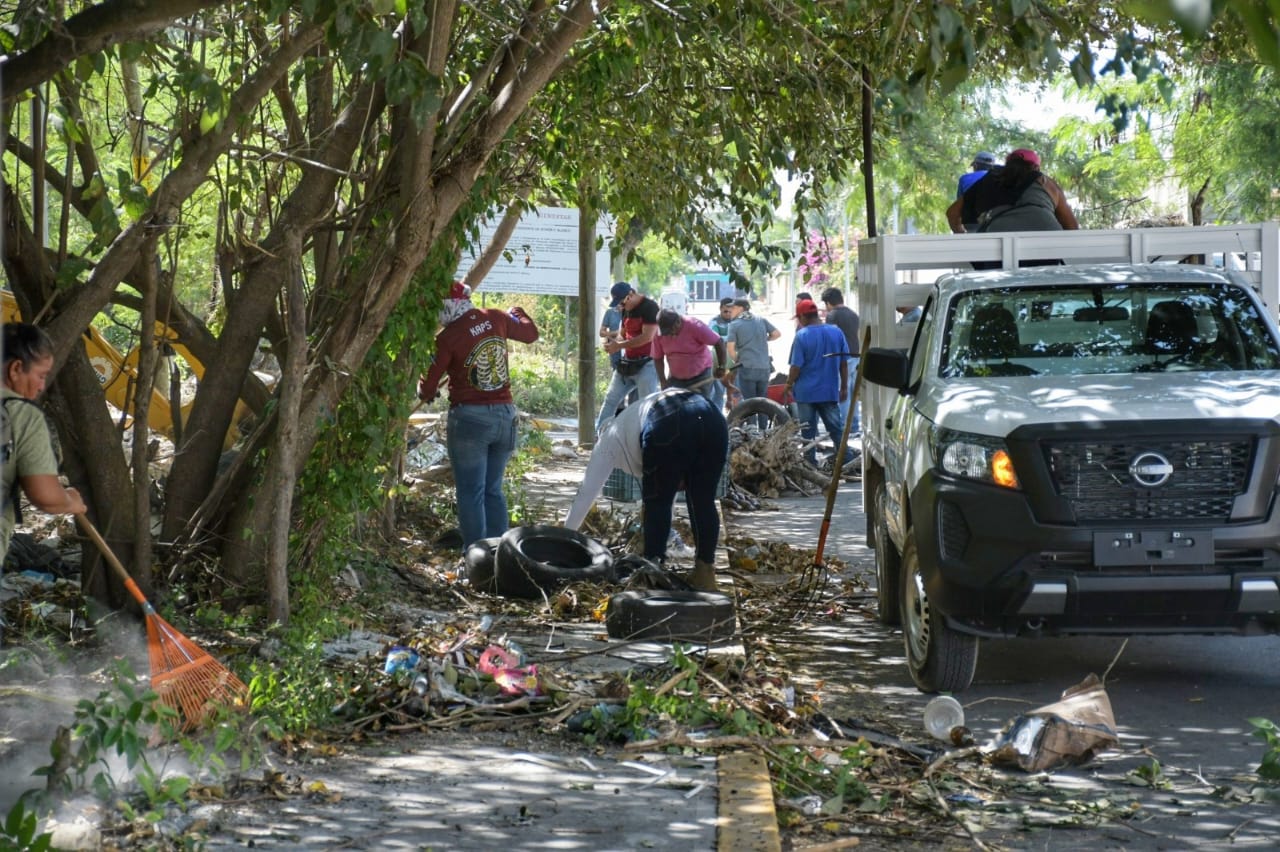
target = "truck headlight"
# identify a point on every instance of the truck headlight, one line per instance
(978, 457)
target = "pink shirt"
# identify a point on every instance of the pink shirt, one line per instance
(686, 353)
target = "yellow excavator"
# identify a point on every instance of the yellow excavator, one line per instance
(119, 373)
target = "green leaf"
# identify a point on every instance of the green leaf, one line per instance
(209, 121)
(84, 68)
(136, 201)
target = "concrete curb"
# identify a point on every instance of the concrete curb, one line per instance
(746, 820)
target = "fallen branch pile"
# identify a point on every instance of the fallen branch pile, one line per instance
(772, 463)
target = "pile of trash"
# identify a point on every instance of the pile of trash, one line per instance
(40, 591)
(445, 674)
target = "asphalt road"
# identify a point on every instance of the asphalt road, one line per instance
(1181, 705)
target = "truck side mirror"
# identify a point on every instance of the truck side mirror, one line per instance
(886, 367)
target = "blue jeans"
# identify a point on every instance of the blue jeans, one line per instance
(705, 378)
(684, 443)
(829, 413)
(753, 383)
(644, 382)
(844, 406)
(480, 439)
(718, 394)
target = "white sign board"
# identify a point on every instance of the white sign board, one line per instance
(543, 255)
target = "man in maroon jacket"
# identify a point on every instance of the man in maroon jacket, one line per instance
(471, 348)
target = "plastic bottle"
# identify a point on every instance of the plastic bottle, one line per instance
(941, 715)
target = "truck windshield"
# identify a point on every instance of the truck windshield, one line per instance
(1086, 329)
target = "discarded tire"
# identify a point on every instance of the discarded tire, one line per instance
(479, 559)
(704, 617)
(536, 559)
(758, 406)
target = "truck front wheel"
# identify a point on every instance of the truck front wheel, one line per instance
(940, 659)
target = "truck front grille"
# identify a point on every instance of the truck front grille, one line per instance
(1204, 479)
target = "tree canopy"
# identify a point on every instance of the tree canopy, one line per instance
(297, 179)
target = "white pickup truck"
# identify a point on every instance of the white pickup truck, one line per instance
(1091, 446)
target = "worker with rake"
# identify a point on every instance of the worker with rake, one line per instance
(29, 460)
(676, 438)
(184, 676)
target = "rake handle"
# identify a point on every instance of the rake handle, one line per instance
(107, 554)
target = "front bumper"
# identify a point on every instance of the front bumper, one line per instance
(993, 568)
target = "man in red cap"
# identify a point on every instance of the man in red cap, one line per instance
(819, 375)
(471, 348)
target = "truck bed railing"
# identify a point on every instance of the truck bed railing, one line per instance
(898, 270)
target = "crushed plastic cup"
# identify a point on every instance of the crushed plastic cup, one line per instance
(941, 715)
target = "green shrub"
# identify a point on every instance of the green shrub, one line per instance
(1269, 732)
(547, 386)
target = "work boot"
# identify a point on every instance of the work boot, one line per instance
(703, 576)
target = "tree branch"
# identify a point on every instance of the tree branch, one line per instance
(89, 32)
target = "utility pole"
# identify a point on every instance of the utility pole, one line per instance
(586, 315)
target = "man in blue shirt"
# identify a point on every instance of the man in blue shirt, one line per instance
(819, 375)
(610, 323)
(983, 162)
(720, 325)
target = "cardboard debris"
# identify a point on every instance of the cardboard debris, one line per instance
(1066, 733)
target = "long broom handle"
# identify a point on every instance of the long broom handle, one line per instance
(105, 550)
(837, 468)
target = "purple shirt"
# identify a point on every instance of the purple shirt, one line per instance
(686, 353)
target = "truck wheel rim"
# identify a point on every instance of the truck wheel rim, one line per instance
(916, 615)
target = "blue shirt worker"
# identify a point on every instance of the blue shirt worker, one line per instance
(983, 162)
(610, 323)
(819, 375)
(720, 325)
(672, 439)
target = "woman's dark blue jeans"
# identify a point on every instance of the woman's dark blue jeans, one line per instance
(480, 439)
(684, 442)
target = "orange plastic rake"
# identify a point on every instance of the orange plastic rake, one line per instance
(183, 674)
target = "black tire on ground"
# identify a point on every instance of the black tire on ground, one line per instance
(536, 559)
(703, 617)
(888, 568)
(940, 659)
(479, 558)
(758, 405)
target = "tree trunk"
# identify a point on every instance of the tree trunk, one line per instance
(1197, 203)
(501, 236)
(194, 470)
(146, 379)
(868, 170)
(280, 470)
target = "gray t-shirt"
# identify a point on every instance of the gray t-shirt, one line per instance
(845, 318)
(750, 336)
(31, 455)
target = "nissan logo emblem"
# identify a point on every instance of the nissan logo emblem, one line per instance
(1150, 470)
